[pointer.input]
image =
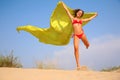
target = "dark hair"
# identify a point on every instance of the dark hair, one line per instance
(76, 10)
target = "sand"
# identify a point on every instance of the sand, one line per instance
(52, 74)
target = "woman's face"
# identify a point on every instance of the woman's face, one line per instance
(79, 13)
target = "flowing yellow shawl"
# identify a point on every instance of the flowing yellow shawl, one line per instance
(60, 30)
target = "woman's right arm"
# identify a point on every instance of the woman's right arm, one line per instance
(88, 19)
(69, 14)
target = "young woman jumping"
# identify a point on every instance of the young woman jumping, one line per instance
(78, 31)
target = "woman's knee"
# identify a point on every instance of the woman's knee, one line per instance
(76, 48)
(84, 39)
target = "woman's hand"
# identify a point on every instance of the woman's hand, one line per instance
(96, 14)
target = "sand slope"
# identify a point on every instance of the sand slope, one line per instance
(38, 74)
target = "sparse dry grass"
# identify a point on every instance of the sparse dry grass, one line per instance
(9, 61)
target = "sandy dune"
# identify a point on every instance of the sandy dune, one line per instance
(38, 74)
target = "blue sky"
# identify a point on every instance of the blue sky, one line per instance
(103, 33)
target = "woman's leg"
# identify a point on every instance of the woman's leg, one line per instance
(85, 41)
(76, 50)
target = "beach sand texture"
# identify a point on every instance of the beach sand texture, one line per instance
(52, 74)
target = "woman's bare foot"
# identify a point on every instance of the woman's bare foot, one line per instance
(82, 68)
(87, 46)
(78, 68)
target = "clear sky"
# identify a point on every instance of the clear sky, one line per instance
(103, 33)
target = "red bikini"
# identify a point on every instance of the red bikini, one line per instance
(79, 35)
(78, 22)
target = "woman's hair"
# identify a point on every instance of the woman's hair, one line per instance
(76, 10)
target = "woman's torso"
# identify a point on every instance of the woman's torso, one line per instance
(77, 26)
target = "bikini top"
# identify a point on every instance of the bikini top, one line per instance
(76, 21)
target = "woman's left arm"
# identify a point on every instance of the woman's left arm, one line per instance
(88, 19)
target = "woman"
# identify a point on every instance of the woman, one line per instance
(78, 31)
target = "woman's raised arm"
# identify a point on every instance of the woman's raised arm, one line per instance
(88, 19)
(69, 14)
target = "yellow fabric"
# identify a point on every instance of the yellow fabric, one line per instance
(60, 30)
